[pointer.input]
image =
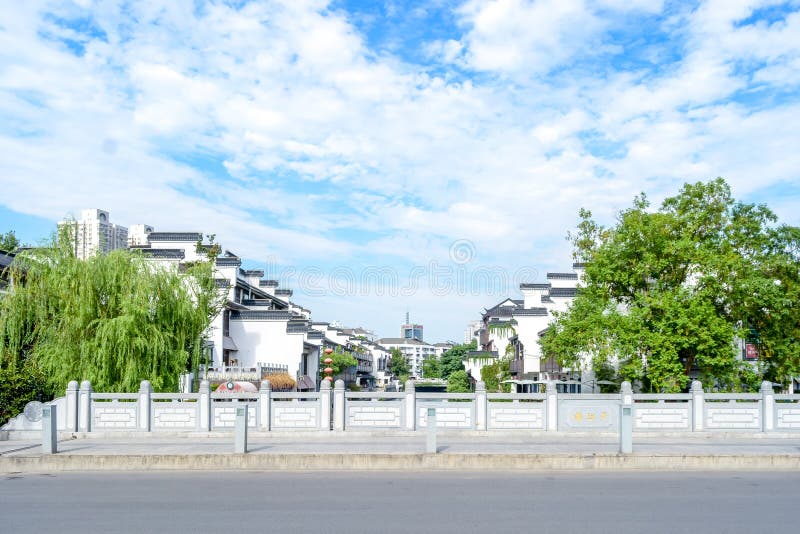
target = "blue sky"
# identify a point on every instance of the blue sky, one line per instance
(380, 157)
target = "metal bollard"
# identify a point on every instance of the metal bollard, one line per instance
(626, 429)
(49, 430)
(240, 437)
(430, 446)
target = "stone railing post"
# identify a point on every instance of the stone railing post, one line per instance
(481, 408)
(698, 406)
(767, 406)
(72, 407)
(204, 406)
(145, 392)
(325, 405)
(411, 405)
(626, 418)
(49, 429)
(552, 407)
(85, 407)
(265, 405)
(338, 405)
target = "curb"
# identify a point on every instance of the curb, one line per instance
(405, 462)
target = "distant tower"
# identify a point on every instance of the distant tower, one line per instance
(411, 331)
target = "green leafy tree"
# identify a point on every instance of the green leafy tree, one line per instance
(9, 241)
(495, 373)
(668, 291)
(431, 368)
(341, 362)
(114, 319)
(458, 382)
(453, 360)
(398, 364)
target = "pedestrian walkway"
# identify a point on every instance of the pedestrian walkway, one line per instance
(509, 451)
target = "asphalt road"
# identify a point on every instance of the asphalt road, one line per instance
(391, 502)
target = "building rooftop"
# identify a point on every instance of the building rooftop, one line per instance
(164, 253)
(534, 286)
(563, 292)
(531, 311)
(268, 283)
(562, 276)
(175, 236)
(261, 315)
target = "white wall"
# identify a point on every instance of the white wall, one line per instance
(266, 342)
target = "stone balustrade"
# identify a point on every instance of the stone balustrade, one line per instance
(335, 409)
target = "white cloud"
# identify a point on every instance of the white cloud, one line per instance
(323, 136)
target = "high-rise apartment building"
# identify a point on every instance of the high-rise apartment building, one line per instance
(94, 233)
(139, 235)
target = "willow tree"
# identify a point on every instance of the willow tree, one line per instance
(672, 292)
(113, 319)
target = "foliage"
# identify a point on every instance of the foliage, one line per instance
(453, 360)
(9, 241)
(503, 328)
(458, 382)
(113, 319)
(431, 368)
(494, 374)
(398, 364)
(341, 362)
(281, 382)
(19, 387)
(668, 292)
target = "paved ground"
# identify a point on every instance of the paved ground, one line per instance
(509, 444)
(400, 502)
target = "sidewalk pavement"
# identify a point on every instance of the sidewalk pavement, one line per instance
(375, 451)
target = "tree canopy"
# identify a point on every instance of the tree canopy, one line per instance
(398, 364)
(431, 367)
(675, 290)
(458, 382)
(9, 241)
(453, 360)
(113, 319)
(341, 362)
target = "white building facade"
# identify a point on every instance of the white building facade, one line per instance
(94, 233)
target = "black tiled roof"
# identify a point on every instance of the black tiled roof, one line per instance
(222, 282)
(297, 327)
(284, 292)
(315, 334)
(265, 315)
(225, 261)
(563, 292)
(562, 276)
(164, 253)
(175, 236)
(531, 311)
(253, 272)
(6, 258)
(534, 286)
(268, 283)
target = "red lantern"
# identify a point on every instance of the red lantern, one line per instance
(329, 378)
(328, 370)
(328, 351)
(327, 361)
